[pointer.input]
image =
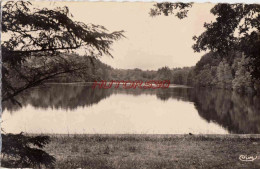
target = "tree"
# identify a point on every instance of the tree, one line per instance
(224, 75)
(237, 27)
(37, 41)
(24, 151)
(164, 73)
(243, 80)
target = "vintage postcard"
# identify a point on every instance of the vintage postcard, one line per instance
(137, 85)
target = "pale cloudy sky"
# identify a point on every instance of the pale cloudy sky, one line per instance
(151, 42)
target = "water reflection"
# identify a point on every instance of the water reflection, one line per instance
(237, 113)
(225, 109)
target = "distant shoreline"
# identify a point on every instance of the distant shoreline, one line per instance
(233, 136)
(171, 85)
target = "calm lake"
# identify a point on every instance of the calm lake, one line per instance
(79, 109)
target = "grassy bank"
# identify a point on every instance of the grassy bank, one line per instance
(154, 151)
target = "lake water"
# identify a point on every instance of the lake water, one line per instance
(79, 109)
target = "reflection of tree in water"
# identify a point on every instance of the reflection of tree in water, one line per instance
(161, 94)
(179, 93)
(66, 96)
(237, 113)
(60, 96)
(183, 94)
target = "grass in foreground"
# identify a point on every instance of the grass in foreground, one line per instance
(153, 151)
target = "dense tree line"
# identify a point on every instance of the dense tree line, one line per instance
(97, 71)
(214, 71)
(211, 71)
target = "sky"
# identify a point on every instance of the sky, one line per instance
(151, 42)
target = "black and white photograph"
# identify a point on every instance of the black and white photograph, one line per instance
(130, 85)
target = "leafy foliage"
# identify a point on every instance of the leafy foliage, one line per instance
(37, 41)
(242, 79)
(214, 71)
(164, 73)
(40, 30)
(233, 24)
(25, 151)
(167, 8)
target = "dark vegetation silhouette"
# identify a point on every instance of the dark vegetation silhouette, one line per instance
(25, 151)
(37, 49)
(167, 8)
(210, 71)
